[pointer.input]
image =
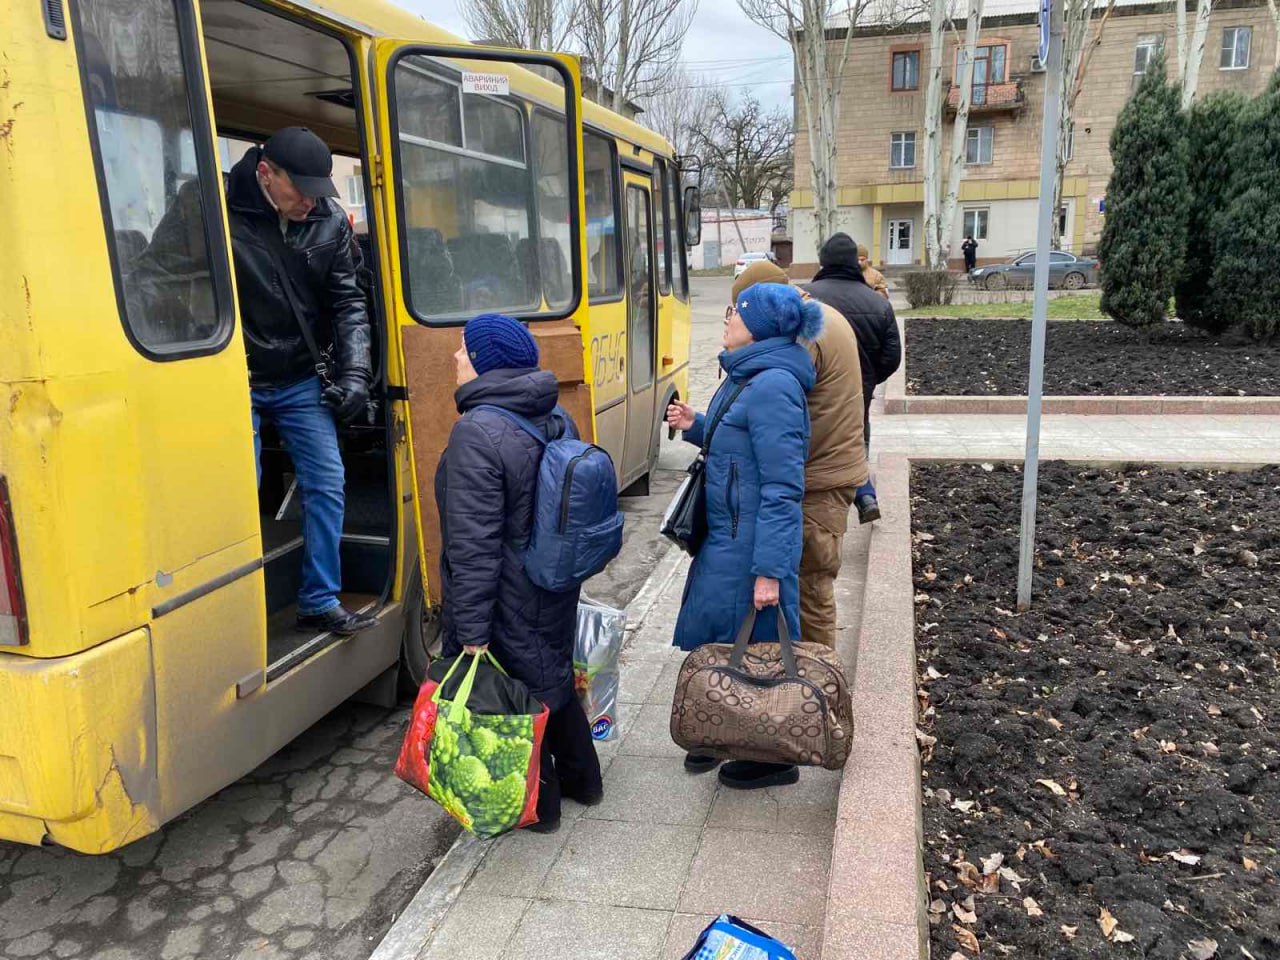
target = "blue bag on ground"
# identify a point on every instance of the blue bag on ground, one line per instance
(729, 938)
(577, 527)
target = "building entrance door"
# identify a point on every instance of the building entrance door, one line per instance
(900, 242)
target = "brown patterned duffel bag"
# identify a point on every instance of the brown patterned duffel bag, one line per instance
(773, 702)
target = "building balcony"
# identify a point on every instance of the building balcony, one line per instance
(990, 97)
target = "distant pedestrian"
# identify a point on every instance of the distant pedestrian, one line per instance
(755, 484)
(840, 284)
(875, 279)
(970, 248)
(485, 485)
(837, 463)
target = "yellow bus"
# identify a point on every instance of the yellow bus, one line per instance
(148, 655)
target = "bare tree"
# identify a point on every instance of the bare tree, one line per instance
(749, 151)
(681, 110)
(631, 48)
(526, 24)
(1275, 15)
(820, 70)
(1191, 49)
(940, 203)
(1080, 42)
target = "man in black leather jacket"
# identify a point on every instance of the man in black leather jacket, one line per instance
(294, 265)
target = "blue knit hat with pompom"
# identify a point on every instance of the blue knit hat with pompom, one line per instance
(778, 310)
(495, 341)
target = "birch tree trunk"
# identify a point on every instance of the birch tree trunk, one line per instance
(1275, 15)
(1180, 19)
(1076, 55)
(933, 134)
(959, 132)
(1195, 54)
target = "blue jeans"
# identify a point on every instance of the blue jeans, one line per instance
(310, 435)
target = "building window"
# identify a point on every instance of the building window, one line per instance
(975, 223)
(1062, 224)
(902, 150)
(1070, 150)
(1235, 48)
(355, 189)
(978, 145)
(906, 70)
(1146, 50)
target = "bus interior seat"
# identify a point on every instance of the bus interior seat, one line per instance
(554, 269)
(435, 287)
(489, 269)
(130, 244)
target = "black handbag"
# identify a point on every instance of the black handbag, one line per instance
(685, 521)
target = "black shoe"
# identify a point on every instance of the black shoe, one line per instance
(592, 799)
(339, 620)
(753, 775)
(698, 763)
(544, 826)
(868, 509)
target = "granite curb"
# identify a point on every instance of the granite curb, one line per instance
(876, 903)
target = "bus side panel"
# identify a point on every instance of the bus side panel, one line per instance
(78, 747)
(605, 352)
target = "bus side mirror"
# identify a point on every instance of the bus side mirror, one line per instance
(692, 216)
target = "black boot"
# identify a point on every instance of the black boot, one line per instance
(339, 620)
(868, 508)
(699, 763)
(753, 774)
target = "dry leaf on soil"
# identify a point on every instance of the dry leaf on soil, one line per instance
(1033, 909)
(1250, 864)
(1053, 786)
(1185, 856)
(1121, 937)
(1107, 922)
(968, 939)
(992, 863)
(1203, 949)
(963, 915)
(1068, 932)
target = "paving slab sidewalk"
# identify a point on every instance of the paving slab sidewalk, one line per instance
(637, 877)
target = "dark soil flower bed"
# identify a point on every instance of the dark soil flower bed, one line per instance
(990, 357)
(1101, 772)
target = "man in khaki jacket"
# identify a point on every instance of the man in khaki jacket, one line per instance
(837, 463)
(875, 279)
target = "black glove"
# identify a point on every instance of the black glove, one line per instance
(349, 398)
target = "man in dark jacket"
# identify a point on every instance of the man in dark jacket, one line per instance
(485, 485)
(970, 250)
(296, 277)
(840, 284)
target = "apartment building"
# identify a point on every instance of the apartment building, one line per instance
(882, 112)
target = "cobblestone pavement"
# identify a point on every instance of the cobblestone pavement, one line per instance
(313, 854)
(309, 856)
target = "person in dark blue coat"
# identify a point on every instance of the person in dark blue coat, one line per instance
(754, 487)
(485, 485)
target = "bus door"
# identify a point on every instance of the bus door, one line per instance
(642, 320)
(481, 172)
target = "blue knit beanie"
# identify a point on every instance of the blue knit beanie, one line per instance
(495, 341)
(778, 310)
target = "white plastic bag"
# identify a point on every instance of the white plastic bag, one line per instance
(596, 648)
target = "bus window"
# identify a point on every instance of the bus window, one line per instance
(680, 279)
(555, 240)
(159, 186)
(472, 204)
(604, 262)
(662, 227)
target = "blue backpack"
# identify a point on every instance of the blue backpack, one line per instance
(577, 527)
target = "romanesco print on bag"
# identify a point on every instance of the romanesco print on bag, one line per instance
(477, 754)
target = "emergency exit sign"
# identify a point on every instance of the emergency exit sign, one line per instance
(493, 84)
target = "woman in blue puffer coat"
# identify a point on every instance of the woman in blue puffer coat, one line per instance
(754, 485)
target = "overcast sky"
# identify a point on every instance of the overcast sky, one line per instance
(722, 46)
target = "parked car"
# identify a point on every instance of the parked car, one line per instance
(1066, 270)
(747, 259)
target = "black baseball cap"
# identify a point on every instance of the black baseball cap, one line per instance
(305, 157)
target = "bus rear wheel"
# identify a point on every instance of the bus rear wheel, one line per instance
(422, 643)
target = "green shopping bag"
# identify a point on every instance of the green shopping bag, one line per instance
(474, 745)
